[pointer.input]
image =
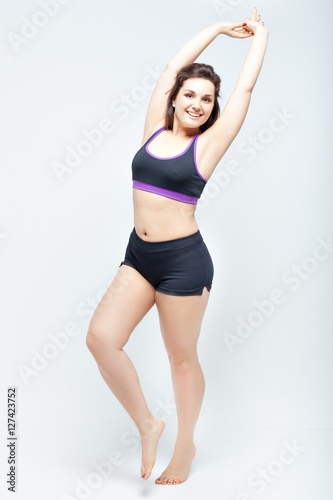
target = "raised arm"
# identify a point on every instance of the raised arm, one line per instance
(253, 61)
(186, 55)
(216, 140)
(192, 49)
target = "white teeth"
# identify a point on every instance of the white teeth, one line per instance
(192, 114)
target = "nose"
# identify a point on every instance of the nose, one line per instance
(196, 105)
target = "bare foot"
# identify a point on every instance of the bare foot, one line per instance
(179, 466)
(150, 433)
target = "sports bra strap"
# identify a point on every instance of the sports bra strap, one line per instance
(155, 133)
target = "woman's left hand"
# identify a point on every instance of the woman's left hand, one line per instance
(242, 30)
(252, 24)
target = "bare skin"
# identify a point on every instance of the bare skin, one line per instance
(180, 327)
(129, 297)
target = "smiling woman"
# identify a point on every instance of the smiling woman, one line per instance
(199, 86)
(192, 107)
(192, 95)
(166, 261)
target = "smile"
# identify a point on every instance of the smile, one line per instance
(194, 115)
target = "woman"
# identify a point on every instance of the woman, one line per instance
(167, 262)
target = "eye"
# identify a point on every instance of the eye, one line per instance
(188, 95)
(207, 99)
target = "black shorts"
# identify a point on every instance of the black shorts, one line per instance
(182, 266)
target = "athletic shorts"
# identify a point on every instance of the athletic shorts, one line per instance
(182, 266)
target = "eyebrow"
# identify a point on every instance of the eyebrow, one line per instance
(189, 90)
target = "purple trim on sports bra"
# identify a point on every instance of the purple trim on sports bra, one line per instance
(195, 158)
(154, 134)
(169, 157)
(165, 192)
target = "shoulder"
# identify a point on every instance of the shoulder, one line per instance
(151, 132)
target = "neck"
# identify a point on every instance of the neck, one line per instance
(182, 131)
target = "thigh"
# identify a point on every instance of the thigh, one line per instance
(180, 321)
(126, 301)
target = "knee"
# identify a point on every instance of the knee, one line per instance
(91, 340)
(182, 361)
(94, 340)
(103, 341)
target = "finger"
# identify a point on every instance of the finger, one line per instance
(245, 35)
(240, 28)
(239, 25)
(240, 33)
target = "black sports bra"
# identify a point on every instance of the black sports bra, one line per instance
(176, 177)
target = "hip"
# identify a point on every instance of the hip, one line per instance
(180, 266)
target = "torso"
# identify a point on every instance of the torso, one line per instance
(157, 218)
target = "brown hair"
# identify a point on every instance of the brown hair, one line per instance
(194, 70)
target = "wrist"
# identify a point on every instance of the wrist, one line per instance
(220, 27)
(261, 30)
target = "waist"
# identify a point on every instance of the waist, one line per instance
(153, 230)
(168, 244)
(157, 218)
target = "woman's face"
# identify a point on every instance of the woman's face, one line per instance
(194, 102)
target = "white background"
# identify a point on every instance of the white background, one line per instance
(62, 238)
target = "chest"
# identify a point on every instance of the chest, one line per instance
(165, 146)
(177, 168)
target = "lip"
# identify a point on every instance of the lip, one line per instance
(193, 115)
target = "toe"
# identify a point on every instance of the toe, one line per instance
(145, 474)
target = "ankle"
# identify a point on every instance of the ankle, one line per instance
(147, 425)
(184, 442)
